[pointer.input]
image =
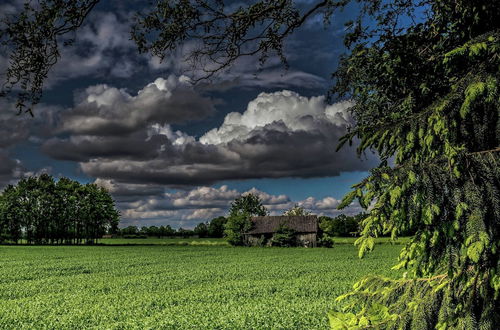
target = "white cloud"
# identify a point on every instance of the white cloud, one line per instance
(295, 112)
(187, 208)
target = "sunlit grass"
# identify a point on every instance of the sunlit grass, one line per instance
(178, 287)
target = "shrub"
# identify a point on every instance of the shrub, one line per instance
(284, 237)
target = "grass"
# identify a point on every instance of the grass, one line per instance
(178, 287)
(164, 241)
(221, 241)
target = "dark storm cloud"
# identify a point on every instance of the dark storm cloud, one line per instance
(108, 111)
(280, 135)
(7, 165)
(10, 169)
(83, 148)
(16, 128)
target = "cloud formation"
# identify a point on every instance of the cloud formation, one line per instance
(190, 207)
(126, 138)
(105, 110)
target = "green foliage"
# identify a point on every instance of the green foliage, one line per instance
(284, 237)
(340, 226)
(42, 211)
(427, 97)
(247, 204)
(296, 211)
(240, 213)
(177, 287)
(129, 230)
(216, 227)
(236, 225)
(201, 230)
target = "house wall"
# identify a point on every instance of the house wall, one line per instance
(306, 240)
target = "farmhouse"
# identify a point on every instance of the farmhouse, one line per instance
(263, 229)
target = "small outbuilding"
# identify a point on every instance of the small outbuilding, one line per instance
(263, 229)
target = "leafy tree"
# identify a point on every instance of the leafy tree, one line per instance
(10, 229)
(45, 212)
(216, 227)
(144, 230)
(297, 210)
(249, 204)
(201, 230)
(240, 213)
(154, 231)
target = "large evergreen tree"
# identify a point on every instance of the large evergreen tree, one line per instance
(427, 101)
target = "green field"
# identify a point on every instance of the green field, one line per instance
(178, 287)
(220, 241)
(164, 241)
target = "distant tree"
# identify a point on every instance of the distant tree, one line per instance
(201, 230)
(10, 227)
(144, 230)
(154, 231)
(216, 227)
(130, 230)
(166, 231)
(184, 233)
(240, 213)
(340, 226)
(297, 211)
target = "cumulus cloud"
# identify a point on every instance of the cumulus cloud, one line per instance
(105, 110)
(280, 134)
(187, 208)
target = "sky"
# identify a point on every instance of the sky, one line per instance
(175, 153)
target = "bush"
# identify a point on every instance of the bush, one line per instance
(326, 241)
(284, 237)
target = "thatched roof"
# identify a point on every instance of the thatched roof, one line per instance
(269, 224)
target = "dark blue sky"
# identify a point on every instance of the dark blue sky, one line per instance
(173, 153)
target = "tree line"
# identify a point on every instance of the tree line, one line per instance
(39, 210)
(212, 229)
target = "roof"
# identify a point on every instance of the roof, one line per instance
(269, 224)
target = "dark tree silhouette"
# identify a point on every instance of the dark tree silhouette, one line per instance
(42, 211)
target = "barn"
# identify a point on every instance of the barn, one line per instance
(263, 229)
